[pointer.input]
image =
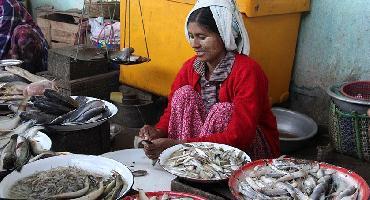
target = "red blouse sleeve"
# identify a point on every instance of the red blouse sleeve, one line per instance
(247, 88)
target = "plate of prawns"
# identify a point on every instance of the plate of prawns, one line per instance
(71, 176)
(289, 178)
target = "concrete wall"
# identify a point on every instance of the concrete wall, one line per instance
(333, 46)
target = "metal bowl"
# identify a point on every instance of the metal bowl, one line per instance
(295, 129)
(347, 104)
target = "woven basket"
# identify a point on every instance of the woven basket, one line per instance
(357, 90)
(349, 132)
(96, 9)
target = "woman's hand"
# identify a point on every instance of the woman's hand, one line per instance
(148, 132)
(153, 151)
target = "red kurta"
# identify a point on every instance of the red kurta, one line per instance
(247, 88)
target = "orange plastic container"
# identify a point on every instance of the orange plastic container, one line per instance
(272, 27)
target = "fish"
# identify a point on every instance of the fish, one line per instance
(9, 123)
(50, 107)
(12, 88)
(120, 185)
(109, 187)
(21, 129)
(10, 77)
(294, 179)
(75, 194)
(58, 98)
(22, 152)
(94, 194)
(38, 116)
(8, 155)
(62, 118)
(82, 109)
(90, 114)
(81, 100)
(11, 98)
(24, 74)
(205, 162)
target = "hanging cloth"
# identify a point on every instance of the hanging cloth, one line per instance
(229, 22)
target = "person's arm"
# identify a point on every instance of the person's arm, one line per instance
(250, 89)
(180, 80)
(7, 21)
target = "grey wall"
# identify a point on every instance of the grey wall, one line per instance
(58, 4)
(333, 46)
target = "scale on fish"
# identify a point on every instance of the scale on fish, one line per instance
(145, 141)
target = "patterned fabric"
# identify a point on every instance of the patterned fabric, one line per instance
(209, 88)
(189, 120)
(20, 34)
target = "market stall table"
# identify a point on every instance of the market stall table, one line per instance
(157, 178)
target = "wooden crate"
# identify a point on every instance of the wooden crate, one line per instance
(58, 29)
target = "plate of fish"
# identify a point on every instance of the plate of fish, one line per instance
(202, 161)
(288, 178)
(163, 195)
(67, 177)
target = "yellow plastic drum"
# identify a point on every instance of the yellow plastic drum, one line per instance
(272, 27)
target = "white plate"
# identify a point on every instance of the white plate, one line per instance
(157, 178)
(168, 152)
(80, 126)
(43, 140)
(95, 164)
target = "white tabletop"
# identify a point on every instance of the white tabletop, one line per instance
(157, 178)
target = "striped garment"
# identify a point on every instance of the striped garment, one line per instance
(20, 37)
(209, 88)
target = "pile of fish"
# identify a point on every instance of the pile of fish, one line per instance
(54, 108)
(68, 183)
(15, 82)
(18, 146)
(295, 179)
(204, 161)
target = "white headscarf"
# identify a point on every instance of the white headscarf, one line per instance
(229, 22)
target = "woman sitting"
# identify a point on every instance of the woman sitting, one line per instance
(220, 95)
